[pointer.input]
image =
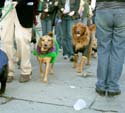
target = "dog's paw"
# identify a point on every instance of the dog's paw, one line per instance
(88, 63)
(95, 55)
(41, 75)
(45, 80)
(79, 70)
(51, 72)
(74, 66)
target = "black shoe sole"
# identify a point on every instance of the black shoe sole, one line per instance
(100, 92)
(111, 94)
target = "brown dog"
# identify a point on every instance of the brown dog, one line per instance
(45, 47)
(82, 42)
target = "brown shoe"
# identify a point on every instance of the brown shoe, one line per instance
(24, 78)
(10, 79)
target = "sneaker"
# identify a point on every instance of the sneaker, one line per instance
(10, 79)
(111, 94)
(65, 57)
(71, 58)
(24, 78)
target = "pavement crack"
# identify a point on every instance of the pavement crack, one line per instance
(27, 100)
(8, 99)
(92, 103)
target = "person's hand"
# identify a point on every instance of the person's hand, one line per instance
(56, 3)
(65, 11)
(81, 9)
(62, 9)
(71, 13)
(46, 10)
(14, 3)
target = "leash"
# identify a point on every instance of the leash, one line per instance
(36, 31)
(7, 12)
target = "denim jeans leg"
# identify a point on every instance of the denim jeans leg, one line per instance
(43, 24)
(58, 32)
(67, 40)
(117, 51)
(49, 25)
(104, 35)
(69, 36)
(46, 26)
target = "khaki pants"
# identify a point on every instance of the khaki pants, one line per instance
(12, 30)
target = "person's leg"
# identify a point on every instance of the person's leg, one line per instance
(64, 39)
(117, 51)
(7, 40)
(44, 27)
(104, 37)
(58, 32)
(85, 21)
(49, 26)
(69, 39)
(23, 38)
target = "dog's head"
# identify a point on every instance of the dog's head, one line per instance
(46, 43)
(81, 33)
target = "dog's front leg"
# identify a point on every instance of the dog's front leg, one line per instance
(80, 66)
(46, 71)
(89, 53)
(40, 60)
(75, 61)
(51, 69)
(41, 71)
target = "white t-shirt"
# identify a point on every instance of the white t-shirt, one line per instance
(67, 5)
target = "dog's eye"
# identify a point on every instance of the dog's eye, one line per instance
(42, 39)
(50, 40)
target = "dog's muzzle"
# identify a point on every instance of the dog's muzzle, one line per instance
(78, 33)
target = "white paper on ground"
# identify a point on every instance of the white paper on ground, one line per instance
(80, 104)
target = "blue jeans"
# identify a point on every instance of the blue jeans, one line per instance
(59, 34)
(46, 26)
(110, 34)
(67, 37)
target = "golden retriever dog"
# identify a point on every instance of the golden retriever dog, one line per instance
(82, 42)
(47, 50)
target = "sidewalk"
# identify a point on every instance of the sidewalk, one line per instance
(64, 88)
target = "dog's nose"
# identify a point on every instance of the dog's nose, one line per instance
(78, 31)
(45, 45)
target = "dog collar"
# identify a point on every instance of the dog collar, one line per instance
(42, 52)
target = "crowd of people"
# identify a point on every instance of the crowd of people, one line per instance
(59, 16)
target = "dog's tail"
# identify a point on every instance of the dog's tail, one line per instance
(50, 34)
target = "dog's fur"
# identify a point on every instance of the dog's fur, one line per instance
(94, 47)
(3, 72)
(46, 43)
(82, 42)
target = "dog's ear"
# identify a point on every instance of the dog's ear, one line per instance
(92, 28)
(52, 43)
(39, 42)
(73, 29)
(50, 34)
